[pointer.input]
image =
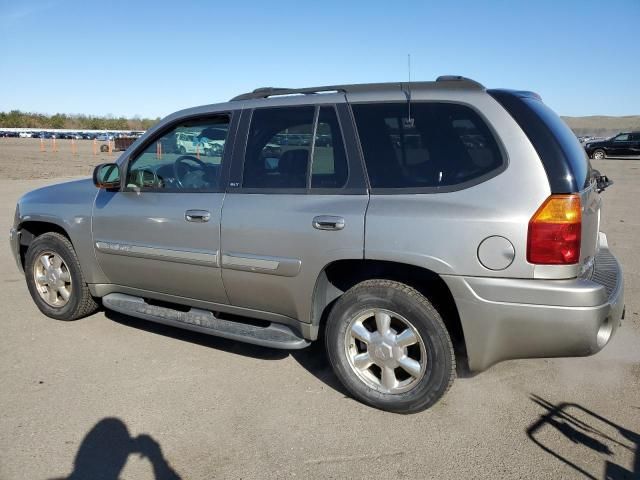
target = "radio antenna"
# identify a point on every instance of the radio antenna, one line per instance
(409, 122)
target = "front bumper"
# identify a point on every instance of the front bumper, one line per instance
(516, 318)
(14, 241)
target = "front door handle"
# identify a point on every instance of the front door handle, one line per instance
(199, 216)
(328, 222)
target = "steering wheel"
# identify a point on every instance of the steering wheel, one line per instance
(201, 166)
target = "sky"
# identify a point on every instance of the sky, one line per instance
(150, 58)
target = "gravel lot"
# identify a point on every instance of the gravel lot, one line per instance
(111, 395)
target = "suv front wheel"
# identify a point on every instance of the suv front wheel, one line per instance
(389, 347)
(55, 280)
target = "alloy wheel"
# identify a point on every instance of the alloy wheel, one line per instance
(385, 351)
(52, 279)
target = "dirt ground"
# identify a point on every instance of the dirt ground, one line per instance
(111, 396)
(22, 159)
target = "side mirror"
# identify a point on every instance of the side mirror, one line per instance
(107, 176)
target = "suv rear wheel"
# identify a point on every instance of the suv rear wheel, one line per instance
(598, 154)
(55, 280)
(389, 347)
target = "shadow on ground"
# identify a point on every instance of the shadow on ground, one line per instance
(590, 431)
(105, 449)
(313, 358)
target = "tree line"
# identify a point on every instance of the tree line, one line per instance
(19, 119)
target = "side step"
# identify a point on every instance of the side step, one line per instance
(204, 321)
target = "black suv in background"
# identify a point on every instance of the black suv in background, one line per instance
(620, 145)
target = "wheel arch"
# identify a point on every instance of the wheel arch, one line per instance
(31, 229)
(339, 276)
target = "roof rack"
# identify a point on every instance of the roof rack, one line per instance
(266, 92)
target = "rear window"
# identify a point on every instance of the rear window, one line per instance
(562, 156)
(434, 145)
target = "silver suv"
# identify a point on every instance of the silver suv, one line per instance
(412, 225)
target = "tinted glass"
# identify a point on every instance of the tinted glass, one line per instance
(621, 138)
(329, 167)
(188, 157)
(576, 157)
(279, 148)
(440, 145)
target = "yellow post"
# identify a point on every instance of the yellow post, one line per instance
(198, 152)
(95, 146)
(54, 148)
(42, 148)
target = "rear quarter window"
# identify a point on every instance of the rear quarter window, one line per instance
(564, 159)
(435, 146)
(574, 153)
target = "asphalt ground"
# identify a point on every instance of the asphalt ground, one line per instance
(110, 396)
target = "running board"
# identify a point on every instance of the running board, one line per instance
(204, 321)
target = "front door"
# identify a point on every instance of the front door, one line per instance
(297, 204)
(161, 231)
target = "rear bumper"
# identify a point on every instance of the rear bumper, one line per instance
(512, 318)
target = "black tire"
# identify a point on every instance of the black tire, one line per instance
(182, 150)
(599, 151)
(80, 303)
(104, 148)
(399, 298)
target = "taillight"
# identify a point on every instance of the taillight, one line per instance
(554, 231)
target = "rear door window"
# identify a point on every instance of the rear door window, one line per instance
(329, 168)
(435, 145)
(283, 153)
(279, 148)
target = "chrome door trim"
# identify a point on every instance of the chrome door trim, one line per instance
(194, 257)
(248, 262)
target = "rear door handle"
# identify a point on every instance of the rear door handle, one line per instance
(328, 222)
(199, 216)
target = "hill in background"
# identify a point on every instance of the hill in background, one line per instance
(602, 126)
(598, 125)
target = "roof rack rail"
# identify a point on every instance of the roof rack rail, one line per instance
(265, 92)
(458, 78)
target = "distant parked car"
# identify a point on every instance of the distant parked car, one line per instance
(104, 137)
(24, 134)
(193, 143)
(323, 140)
(621, 145)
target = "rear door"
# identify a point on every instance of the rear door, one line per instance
(620, 146)
(635, 144)
(292, 207)
(161, 232)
